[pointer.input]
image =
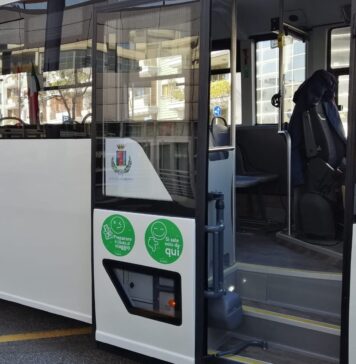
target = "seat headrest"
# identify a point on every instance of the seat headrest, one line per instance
(319, 87)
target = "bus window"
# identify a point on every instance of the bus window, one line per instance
(44, 82)
(339, 63)
(66, 95)
(340, 48)
(267, 76)
(220, 87)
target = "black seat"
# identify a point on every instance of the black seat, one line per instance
(252, 181)
(318, 156)
(219, 136)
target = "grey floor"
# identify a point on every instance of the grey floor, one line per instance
(81, 349)
(265, 249)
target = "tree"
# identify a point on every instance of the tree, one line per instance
(69, 86)
(219, 88)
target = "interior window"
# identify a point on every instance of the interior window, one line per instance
(339, 63)
(220, 87)
(340, 48)
(267, 63)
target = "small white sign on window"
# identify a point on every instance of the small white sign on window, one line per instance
(129, 173)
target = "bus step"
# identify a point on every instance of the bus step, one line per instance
(308, 291)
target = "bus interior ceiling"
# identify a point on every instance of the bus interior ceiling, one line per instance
(281, 276)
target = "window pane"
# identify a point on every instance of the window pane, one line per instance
(266, 81)
(343, 98)
(340, 48)
(31, 96)
(147, 107)
(267, 58)
(220, 59)
(220, 96)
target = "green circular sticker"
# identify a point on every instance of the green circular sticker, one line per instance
(118, 235)
(164, 241)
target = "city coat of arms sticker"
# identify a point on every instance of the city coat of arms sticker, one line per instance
(121, 162)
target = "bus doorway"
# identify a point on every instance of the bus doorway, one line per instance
(289, 237)
(177, 255)
(150, 156)
(290, 249)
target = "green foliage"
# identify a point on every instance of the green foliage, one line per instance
(219, 88)
(178, 94)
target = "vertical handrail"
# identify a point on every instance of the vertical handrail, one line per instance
(233, 67)
(281, 64)
(281, 130)
(286, 135)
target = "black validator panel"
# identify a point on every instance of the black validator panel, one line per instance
(149, 292)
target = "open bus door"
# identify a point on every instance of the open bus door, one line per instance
(348, 323)
(150, 176)
(168, 282)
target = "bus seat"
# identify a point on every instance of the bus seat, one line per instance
(219, 136)
(252, 181)
(318, 155)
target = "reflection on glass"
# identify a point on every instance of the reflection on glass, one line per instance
(26, 92)
(161, 66)
(67, 96)
(169, 105)
(14, 100)
(147, 101)
(220, 59)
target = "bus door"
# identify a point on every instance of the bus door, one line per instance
(150, 152)
(348, 325)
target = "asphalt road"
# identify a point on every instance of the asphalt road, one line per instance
(29, 336)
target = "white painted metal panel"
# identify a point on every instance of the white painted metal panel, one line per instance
(352, 308)
(115, 325)
(45, 225)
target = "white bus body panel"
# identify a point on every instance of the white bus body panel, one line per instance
(352, 308)
(45, 224)
(115, 325)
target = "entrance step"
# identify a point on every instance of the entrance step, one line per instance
(275, 354)
(267, 249)
(333, 249)
(309, 336)
(241, 359)
(324, 319)
(311, 292)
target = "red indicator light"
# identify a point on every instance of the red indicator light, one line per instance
(172, 303)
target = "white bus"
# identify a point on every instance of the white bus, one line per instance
(181, 174)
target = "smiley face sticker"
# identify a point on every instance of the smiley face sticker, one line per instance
(118, 235)
(117, 224)
(164, 241)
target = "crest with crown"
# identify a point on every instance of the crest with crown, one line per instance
(121, 162)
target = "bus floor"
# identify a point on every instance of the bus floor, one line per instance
(265, 249)
(29, 336)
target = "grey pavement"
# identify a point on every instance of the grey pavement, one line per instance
(17, 319)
